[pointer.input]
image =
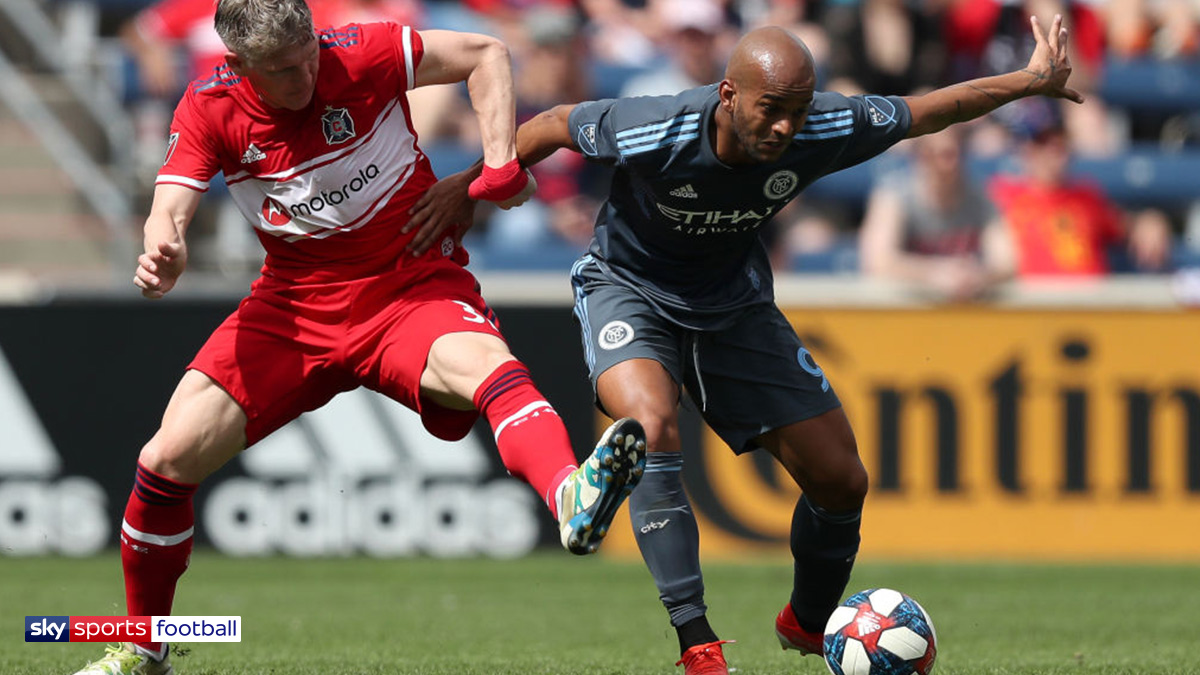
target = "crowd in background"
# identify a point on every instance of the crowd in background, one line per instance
(954, 213)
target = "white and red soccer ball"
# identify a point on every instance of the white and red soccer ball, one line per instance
(880, 632)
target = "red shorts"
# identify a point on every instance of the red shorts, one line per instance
(288, 348)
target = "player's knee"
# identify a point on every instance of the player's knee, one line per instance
(855, 486)
(662, 431)
(839, 486)
(466, 357)
(169, 458)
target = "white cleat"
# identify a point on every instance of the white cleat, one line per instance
(592, 493)
(123, 659)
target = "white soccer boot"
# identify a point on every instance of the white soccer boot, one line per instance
(123, 659)
(591, 495)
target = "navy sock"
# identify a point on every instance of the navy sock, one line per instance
(666, 533)
(824, 545)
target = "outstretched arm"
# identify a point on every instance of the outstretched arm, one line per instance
(165, 255)
(1046, 75)
(436, 210)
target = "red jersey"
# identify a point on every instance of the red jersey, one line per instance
(1062, 231)
(327, 187)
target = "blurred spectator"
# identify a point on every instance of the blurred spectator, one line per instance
(621, 31)
(885, 47)
(173, 42)
(1062, 227)
(549, 70)
(1162, 28)
(691, 31)
(504, 18)
(798, 16)
(934, 227)
(809, 237)
(341, 12)
(987, 37)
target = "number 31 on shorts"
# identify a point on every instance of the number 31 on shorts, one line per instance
(472, 315)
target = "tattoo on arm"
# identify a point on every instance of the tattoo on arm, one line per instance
(995, 99)
(1037, 77)
(970, 112)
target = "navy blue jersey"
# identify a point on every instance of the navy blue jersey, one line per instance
(681, 227)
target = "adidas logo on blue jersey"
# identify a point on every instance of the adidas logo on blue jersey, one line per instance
(686, 192)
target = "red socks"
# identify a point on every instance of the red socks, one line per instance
(533, 442)
(156, 542)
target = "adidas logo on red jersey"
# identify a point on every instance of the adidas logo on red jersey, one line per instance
(253, 154)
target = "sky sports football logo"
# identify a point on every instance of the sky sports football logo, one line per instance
(133, 629)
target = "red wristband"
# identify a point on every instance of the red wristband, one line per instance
(497, 185)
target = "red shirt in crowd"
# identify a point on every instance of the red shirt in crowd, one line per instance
(1058, 230)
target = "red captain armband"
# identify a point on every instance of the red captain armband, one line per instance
(497, 185)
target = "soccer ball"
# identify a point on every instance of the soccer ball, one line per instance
(880, 632)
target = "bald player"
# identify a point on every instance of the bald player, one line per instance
(676, 292)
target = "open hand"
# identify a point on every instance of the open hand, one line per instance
(159, 268)
(1050, 66)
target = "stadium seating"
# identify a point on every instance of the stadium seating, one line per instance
(1143, 176)
(1151, 84)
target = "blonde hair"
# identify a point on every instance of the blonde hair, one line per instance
(255, 29)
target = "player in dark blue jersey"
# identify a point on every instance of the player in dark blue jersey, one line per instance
(676, 292)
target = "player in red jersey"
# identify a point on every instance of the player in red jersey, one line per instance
(311, 131)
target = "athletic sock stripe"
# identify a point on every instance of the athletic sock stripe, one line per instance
(506, 379)
(664, 462)
(500, 392)
(165, 493)
(156, 539)
(502, 384)
(665, 469)
(174, 495)
(162, 483)
(834, 517)
(536, 405)
(151, 497)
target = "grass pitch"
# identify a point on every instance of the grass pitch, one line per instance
(557, 614)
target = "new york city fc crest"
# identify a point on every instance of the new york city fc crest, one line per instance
(781, 184)
(337, 125)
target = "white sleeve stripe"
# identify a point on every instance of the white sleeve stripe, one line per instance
(406, 40)
(182, 180)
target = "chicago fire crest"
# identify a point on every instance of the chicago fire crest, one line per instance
(337, 125)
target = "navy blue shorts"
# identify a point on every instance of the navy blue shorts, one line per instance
(747, 379)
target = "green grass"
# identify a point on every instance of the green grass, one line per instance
(557, 614)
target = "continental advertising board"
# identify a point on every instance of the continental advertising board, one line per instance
(1068, 435)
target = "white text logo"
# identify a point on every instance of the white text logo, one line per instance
(39, 514)
(363, 474)
(655, 525)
